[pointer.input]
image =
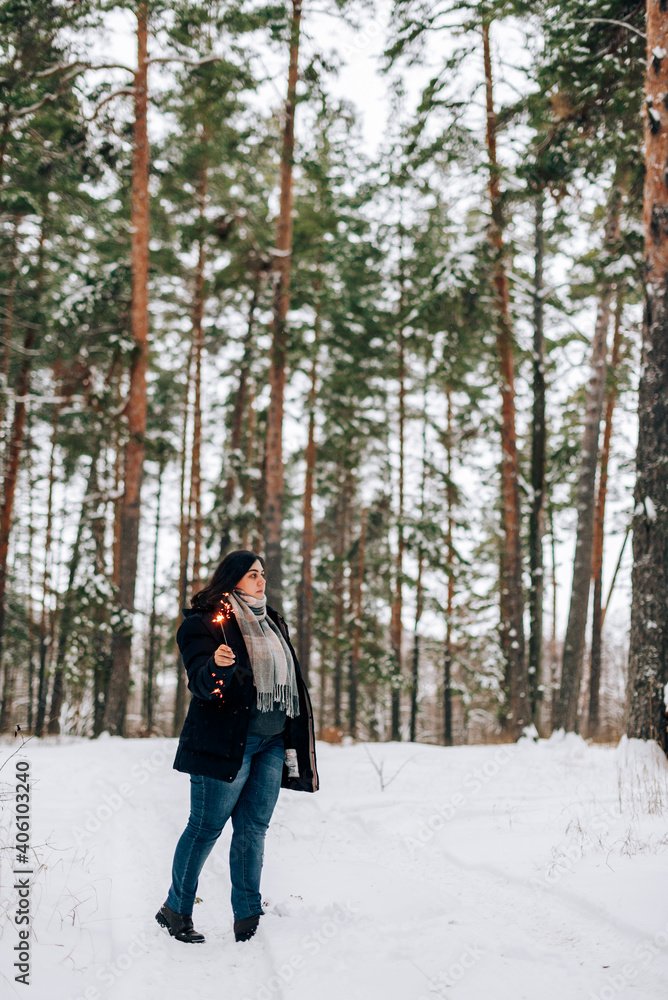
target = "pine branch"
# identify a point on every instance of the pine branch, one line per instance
(14, 113)
(124, 91)
(43, 74)
(19, 349)
(184, 61)
(82, 65)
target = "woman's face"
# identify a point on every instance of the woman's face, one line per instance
(253, 583)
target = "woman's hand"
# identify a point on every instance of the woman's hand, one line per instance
(224, 657)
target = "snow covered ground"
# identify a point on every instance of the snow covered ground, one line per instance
(531, 870)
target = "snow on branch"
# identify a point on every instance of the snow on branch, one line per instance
(608, 20)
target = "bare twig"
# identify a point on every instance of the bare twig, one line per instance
(379, 769)
(18, 750)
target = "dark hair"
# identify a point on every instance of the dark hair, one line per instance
(225, 577)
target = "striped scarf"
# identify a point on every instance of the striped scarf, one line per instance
(270, 656)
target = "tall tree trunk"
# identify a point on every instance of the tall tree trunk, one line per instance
(338, 591)
(599, 524)
(198, 348)
(322, 685)
(357, 607)
(396, 627)
(14, 449)
(305, 595)
(4, 136)
(512, 597)
(450, 556)
(537, 513)
(102, 646)
(117, 502)
(574, 643)
(240, 404)
(273, 510)
(32, 631)
(7, 721)
(119, 679)
(68, 608)
(47, 587)
(415, 674)
(614, 575)
(184, 551)
(419, 593)
(152, 636)
(247, 531)
(554, 659)
(648, 652)
(261, 487)
(102, 658)
(7, 328)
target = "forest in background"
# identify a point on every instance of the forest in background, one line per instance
(404, 378)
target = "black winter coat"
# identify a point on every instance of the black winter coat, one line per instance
(213, 737)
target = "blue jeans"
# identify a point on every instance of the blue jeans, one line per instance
(250, 801)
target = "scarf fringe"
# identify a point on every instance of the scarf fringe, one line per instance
(287, 701)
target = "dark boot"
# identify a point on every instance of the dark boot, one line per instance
(246, 927)
(179, 925)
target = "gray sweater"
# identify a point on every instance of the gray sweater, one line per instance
(266, 723)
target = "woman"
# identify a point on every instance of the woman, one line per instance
(249, 706)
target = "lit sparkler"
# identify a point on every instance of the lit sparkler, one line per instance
(224, 614)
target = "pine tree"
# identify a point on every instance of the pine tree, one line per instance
(590, 126)
(42, 140)
(571, 669)
(649, 605)
(135, 406)
(273, 512)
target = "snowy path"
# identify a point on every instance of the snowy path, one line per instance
(499, 871)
